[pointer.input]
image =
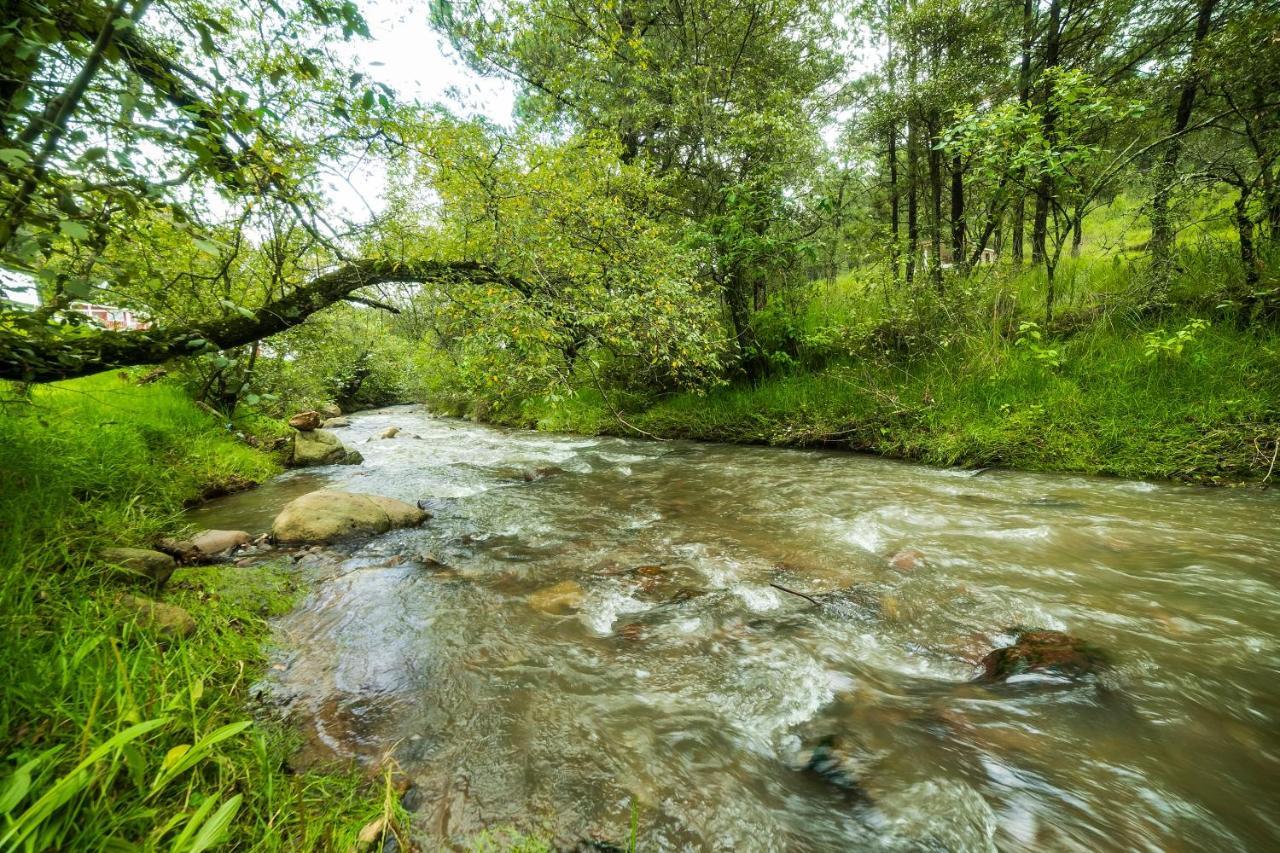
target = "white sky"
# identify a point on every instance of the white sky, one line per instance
(406, 54)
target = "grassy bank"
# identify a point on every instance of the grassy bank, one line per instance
(112, 735)
(975, 377)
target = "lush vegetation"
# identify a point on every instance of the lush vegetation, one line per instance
(117, 735)
(1041, 234)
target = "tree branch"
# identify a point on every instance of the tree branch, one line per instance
(41, 352)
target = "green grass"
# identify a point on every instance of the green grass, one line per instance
(112, 736)
(908, 374)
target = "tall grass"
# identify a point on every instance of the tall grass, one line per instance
(112, 736)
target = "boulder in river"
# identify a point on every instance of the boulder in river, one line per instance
(213, 543)
(329, 515)
(305, 421)
(331, 410)
(321, 447)
(389, 432)
(540, 472)
(336, 422)
(167, 619)
(141, 563)
(562, 597)
(1043, 653)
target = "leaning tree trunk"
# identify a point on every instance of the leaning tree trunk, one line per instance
(32, 350)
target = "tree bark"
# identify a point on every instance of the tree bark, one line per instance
(935, 203)
(47, 353)
(913, 206)
(1167, 171)
(1024, 97)
(1045, 186)
(958, 222)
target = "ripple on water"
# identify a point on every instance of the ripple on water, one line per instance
(696, 706)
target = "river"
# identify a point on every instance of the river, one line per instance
(681, 683)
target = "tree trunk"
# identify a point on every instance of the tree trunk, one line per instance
(1077, 234)
(1045, 186)
(1166, 172)
(750, 358)
(1024, 97)
(895, 248)
(913, 207)
(957, 213)
(40, 352)
(1248, 255)
(935, 199)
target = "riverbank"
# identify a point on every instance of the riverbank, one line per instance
(113, 732)
(1125, 400)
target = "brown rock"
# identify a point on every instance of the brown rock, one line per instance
(305, 421)
(1045, 652)
(389, 432)
(211, 543)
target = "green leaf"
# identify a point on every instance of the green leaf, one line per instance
(215, 828)
(207, 246)
(14, 157)
(73, 230)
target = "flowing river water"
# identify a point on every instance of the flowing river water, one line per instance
(681, 683)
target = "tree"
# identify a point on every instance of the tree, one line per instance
(118, 160)
(724, 100)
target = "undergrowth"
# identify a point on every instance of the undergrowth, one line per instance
(114, 737)
(975, 377)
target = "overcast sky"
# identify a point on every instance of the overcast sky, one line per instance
(408, 55)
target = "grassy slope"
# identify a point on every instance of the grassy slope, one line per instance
(954, 387)
(98, 462)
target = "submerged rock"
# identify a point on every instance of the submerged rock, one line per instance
(141, 563)
(1049, 653)
(839, 761)
(907, 560)
(321, 447)
(541, 472)
(328, 515)
(168, 619)
(305, 421)
(564, 596)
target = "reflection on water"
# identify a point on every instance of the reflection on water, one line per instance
(590, 622)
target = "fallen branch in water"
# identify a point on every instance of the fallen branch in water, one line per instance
(808, 598)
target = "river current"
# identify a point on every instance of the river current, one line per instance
(589, 626)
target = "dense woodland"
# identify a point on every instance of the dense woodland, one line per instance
(1041, 234)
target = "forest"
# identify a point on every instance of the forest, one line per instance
(1040, 236)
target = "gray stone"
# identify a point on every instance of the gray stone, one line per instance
(321, 447)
